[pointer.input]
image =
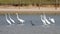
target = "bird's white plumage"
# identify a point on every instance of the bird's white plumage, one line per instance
(7, 19)
(11, 19)
(21, 20)
(52, 20)
(44, 22)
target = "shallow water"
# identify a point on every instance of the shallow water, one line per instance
(28, 18)
(27, 28)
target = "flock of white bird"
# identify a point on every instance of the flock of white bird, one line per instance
(46, 21)
(11, 20)
(43, 19)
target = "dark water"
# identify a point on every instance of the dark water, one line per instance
(27, 28)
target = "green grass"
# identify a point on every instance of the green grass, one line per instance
(28, 1)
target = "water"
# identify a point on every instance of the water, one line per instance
(34, 18)
(28, 28)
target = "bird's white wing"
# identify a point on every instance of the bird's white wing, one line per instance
(52, 20)
(21, 20)
(46, 20)
(8, 21)
(12, 20)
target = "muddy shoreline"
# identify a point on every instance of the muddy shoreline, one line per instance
(28, 7)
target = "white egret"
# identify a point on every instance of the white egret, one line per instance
(7, 19)
(42, 19)
(11, 19)
(21, 20)
(46, 19)
(52, 20)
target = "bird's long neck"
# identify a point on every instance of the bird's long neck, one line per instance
(41, 17)
(45, 18)
(17, 16)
